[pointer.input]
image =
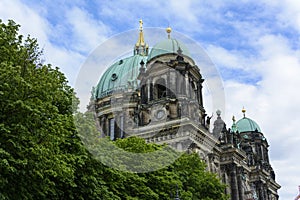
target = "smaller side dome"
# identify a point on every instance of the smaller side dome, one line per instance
(168, 46)
(247, 125)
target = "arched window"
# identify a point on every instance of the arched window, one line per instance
(144, 93)
(192, 89)
(160, 89)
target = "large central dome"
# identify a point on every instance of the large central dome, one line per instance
(123, 74)
(119, 76)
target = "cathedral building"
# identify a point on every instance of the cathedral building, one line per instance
(156, 94)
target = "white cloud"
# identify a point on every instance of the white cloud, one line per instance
(227, 58)
(184, 10)
(289, 188)
(288, 12)
(65, 51)
(87, 32)
(31, 22)
(67, 60)
(273, 102)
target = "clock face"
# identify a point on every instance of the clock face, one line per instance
(160, 114)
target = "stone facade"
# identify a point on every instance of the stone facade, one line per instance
(167, 107)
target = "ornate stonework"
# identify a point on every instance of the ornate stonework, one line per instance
(164, 104)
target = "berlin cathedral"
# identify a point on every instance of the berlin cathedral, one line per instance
(156, 94)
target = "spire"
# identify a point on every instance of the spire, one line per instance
(141, 47)
(169, 30)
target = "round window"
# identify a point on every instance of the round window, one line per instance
(114, 77)
(160, 114)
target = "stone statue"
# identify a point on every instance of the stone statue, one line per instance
(219, 125)
(208, 119)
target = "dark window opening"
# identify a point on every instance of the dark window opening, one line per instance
(160, 90)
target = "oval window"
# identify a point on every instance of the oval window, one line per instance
(114, 77)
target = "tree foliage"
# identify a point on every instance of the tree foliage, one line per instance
(42, 155)
(188, 173)
(38, 142)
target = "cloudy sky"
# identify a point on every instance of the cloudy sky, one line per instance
(253, 44)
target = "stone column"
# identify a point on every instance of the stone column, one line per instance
(187, 84)
(106, 127)
(234, 185)
(240, 183)
(174, 79)
(148, 90)
(168, 85)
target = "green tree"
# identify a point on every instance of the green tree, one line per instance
(197, 183)
(188, 172)
(42, 155)
(38, 143)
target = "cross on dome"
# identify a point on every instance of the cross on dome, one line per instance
(141, 47)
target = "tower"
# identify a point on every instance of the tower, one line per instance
(245, 165)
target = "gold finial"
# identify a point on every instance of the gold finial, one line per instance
(244, 112)
(141, 25)
(169, 30)
(140, 46)
(141, 41)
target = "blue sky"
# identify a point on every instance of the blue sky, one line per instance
(255, 46)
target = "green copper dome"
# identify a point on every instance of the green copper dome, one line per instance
(119, 76)
(247, 125)
(168, 46)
